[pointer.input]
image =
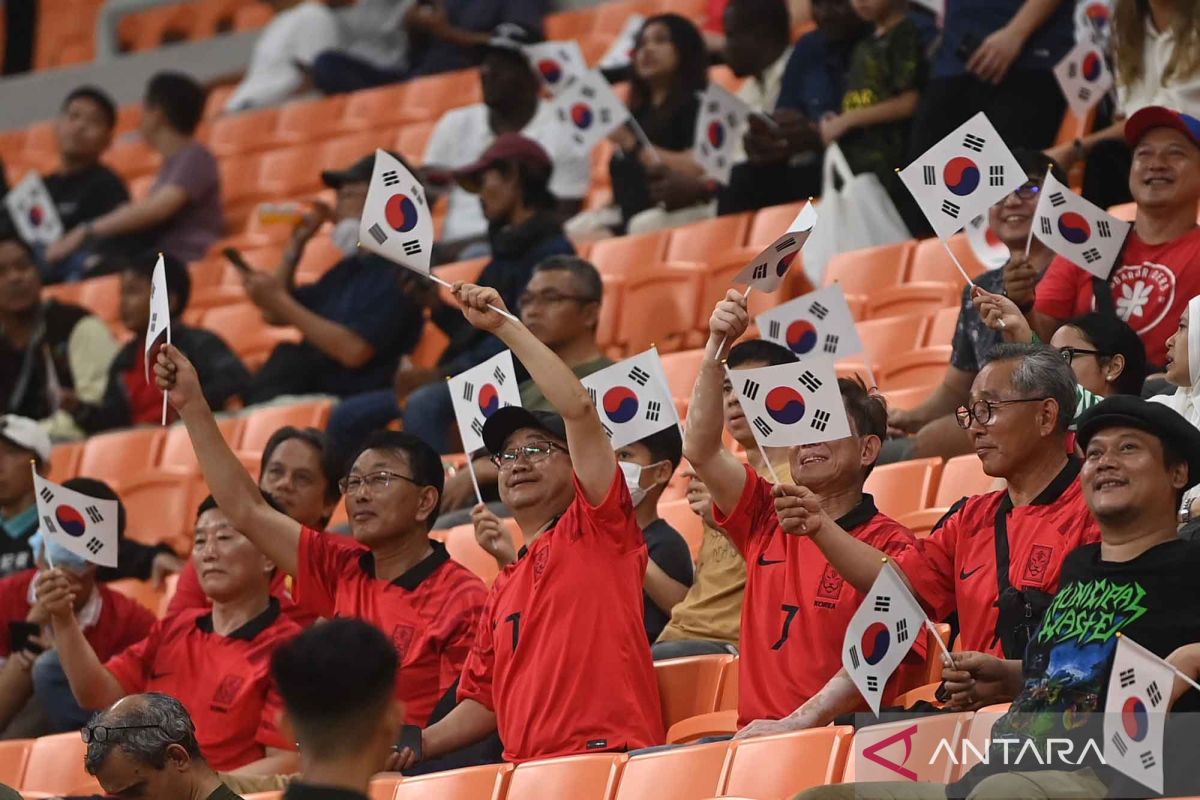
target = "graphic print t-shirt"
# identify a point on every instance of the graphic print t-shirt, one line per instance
(1153, 599)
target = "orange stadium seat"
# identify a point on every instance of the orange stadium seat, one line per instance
(886, 338)
(657, 307)
(679, 515)
(962, 476)
(142, 591)
(177, 454)
(702, 726)
(439, 93)
(462, 547)
(383, 786)
(430, 346)
(681, 370)
(574, 24)
(779, 767)
(467, 271)
(585, 777)
(700, 240)
(686, 773)
(55, 767)
(931, 262)
(689, 686)
(64, 461)
(978, 732)
(941, 326)
(263, 796)
(232, 134)
(239, 182)
(411, 141)
(905, 486)
(308, 120)
(289, 172)
(123, 452)
(924, 297)
(252, 17)
(914, 752)
(261, 422)
(727, 700)
(102, 296)
(472, 783)
(132, 159)
(381, 108)
(343, 151)
(723, 76)
(923, 367)
(14, 755)
(911, 397)
(626, 255)
(320, 255)
(159, 508)
(871, 269)
(770, 223)
(243, 327)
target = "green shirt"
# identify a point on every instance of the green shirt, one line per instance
(532, 398)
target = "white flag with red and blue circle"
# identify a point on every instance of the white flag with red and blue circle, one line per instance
(480, 392)
(397, 222)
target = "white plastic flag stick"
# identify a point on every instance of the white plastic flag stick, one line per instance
(45, 549)
(450, 286)
(958, 264)
(474, 479)
(762, 450)
(937, 637)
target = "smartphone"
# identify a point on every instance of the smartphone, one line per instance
(234, 256)
(19, 635)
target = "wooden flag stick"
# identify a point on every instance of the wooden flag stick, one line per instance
(450, 286)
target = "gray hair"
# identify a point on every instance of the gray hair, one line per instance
(166, 723)
(1042, 372)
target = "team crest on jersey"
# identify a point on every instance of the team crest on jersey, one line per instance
(227, 692)
(830, 589)
(402, 637)
(1143, 294)
(539, 562)
(1038, 564)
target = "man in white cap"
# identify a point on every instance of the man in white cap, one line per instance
(21, 440)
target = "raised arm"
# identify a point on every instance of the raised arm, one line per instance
(94, 686)
(721, 472)
(592, 454)
(275, 534)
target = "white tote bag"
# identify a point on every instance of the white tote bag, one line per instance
(855, 212)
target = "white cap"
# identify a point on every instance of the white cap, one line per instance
(26, 434)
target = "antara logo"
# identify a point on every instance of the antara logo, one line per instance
(1008, 752)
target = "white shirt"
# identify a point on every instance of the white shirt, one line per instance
(1181, 94)
(761, 94)
(375, 32)
(297, 34)
(461, 136)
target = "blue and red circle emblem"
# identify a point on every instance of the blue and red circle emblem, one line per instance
(1098, 14)
(401, 213)
(1134, 719)
(550, 69)
(961, 176)
(70, 520)
(716, 133)
(36, 215)
(620, 404)
(801, 336)
(1092, 66)
(1074, 228)
(876, 640)
(489, 400)
(785, 405)
(581, 115)
(785, 263)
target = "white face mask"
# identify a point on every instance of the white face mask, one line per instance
(345, 236)
(633, 480)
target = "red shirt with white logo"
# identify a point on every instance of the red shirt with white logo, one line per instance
(561, 655)
(797, 606)
(1150, 291)
(430, 612)
(223, 681)
(954, 568)
(190, 594)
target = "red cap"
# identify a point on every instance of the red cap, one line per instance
(507, 147)
(1152, 117)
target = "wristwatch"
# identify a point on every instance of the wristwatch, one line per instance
(1185, 512)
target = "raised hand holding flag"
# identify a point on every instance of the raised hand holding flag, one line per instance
(158, 329)
(769, 267)
(632, 398)
(87, 526)
(719, 127)
(479, 392)
(818, 323)
(1084, 77)
(33, 212)
(1079, 231)
(792, 404)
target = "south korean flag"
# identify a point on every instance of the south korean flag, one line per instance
(620, 52)
(87, 526)
(1093, 22)
(1135, 713)
(769, 267)
(963, 176)
(33, 211)
(587, 111)
(480, 392)
(1084, 77)
(1077, 230)
(792, 404)
(632, 398)
(557, 63)
(719, 129)
(819, 323)
(396, 221)
(880, 634)
(985, 244)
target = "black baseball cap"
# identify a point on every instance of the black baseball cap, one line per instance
(358, 172)
(510, 419)
(1127, 411)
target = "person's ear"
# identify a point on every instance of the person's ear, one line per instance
(591, 315)
(178, 758)
(430, 503)
(268, 565)
(1048, 416)
(869, 454)
(660, 473)
(1116, 365)
(1179, 475)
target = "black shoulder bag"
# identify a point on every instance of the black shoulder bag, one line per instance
(1021, 611)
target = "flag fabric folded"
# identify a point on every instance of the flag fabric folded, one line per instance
(557, 63)
(620, 52)
(1077, 230)
(963, 175)
(791, 404)
(397, 222)
(1084, 77)
(769, 267)
(880, 634)
(158, 329)
(1135, 713)
(33, 211)
(986, 246)
(481, 391)
(85, 525)
(632, 398)
(719, 128)
(818, 323)
(586, 111)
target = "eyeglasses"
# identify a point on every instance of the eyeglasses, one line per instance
(99, 733)
(547, 298)
(533, 453)
(376, 481)
(1028, 190)
(982, 411)
(1069, 354)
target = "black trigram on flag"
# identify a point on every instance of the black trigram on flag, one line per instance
(731, 119)
(1091, 255)
(607, 430)
(831, 342)
(468, 391)
(1072, 70)
(762, 426)
(760, 272)
(1084, 93)
(588, 92)
(94, 545)
(154, 320)
(1154, 693)
(46, 494)
(750, 389)
(819, 311)
(785, 244)
(414, 192)
(810, 381)
(499, 375)
(412, 247)
(929, 175)
(883, 604)
(854, 655)
(773, 329)
(652, 410)
(49, 523)
(477, 427)
(973, 142)
(391, 178)
(94, 514)
(950, 209)
(704, 149)
(1119, 743)
(996, 175)
(872, 683)
(1147, 758)
(592, 394)
(820, 420)
(639, 376)
(605, 116)
(901, 631)
(377, 233)
(1127, 678)
(713, 107)
(1103, 229)
(1057, 199)
(1047, 228)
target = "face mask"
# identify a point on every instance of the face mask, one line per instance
(633, 480)
(345, 236)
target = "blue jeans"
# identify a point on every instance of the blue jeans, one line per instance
(53, 693)
(429, 413)
(335, 72)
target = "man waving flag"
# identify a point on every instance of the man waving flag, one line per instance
(87, 526)
(1077, 230)
(480, 392)
(880, 634)
(818, 323)
(769, 267)
(633, 398)
(396, 222)
(792, 404)
(158, 329)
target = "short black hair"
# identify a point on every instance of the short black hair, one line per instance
(335, 678)
(179, 97)
(666, 445)
(583, 271)
(8, 233)
(771, 18)
(179, 281)
(317, 440)
(423, 460)
(98, 96)
(1035, 162)
(210, 502)
(1112, 336)
(534, 181)
(759, 351)
(101, 491)
(866, 409)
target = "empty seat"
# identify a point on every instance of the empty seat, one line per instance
(232, 134)
(381, 108)
(939, 330)
(120, 452)
(411, 141)
(261, 422)
(177, 454)
(657, 307)
(780, 767)
(142, 591)
(910, 397)
(309, 120)
(887, 338)
(159, 508)
(925, 297)
(339, 153)
(383, 786)
(924, 367)
(910, 752)
(905, 486)
(462, 547)
(978, 731)
(700, 240)
(473, 783)
(931, 262)
(586, 777)
(685, 773)
(14, 755)
(871, 269)
(681, 370)
(55, 766)
(243, 327)
(288, 172)
(102, 296)
(438, 93)
(689, 686)
(64, 461)
(634, 254)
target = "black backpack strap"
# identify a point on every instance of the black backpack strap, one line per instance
(1000, 537)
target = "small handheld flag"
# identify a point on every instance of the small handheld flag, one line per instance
(620, 52)
(480, 392)
(719, 127)
(769, 267)
(1084, 77)
(87, 526)
(557, 63)
(792, 404)
(1135, 712)
(587, 111)
(33, 212)
(987, 247)
(1093, 22)
(158, 329)
(1077, 230)
(819, 323)
(632, 398)
(396, 222)
(880, 634)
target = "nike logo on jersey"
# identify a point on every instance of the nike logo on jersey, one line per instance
(963, 574)
(763, 562)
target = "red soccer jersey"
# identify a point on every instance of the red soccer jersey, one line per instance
(561, 655)
(430, 612)
(797, 606)
(224, 681)
(1150, 291)
(189, 595)
(955, 567)
(122, 622)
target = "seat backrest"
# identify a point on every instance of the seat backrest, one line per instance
(770, 223)
(158, 507)
(64, 461)
(870, 269)
(975, 738)
(922, 367)
(887, 338)
(472, 783)
(925, 297)
(689, 686)
(14, 755)
(681, 370)
(727, 699)
(699, 240)
(941, 326)
(586, 777)
(931, 262)
(679, 515)
(962, 476)
(684, 773)
(462, 547)
(633, 254)
(659, 308)
(383, 786)
(121, 452)
(905, 486)
(55, 765)
(177, 447)
(779, 767)
(261, 423)
(913, 749)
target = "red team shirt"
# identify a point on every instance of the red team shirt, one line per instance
(224, 681)
(430, 612)
(955, 567)
(561, 654)
(189, 594)
(1150, 292)
(797, 606)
